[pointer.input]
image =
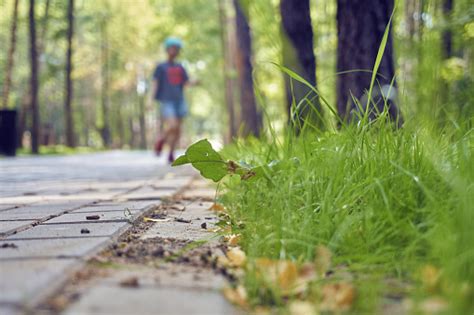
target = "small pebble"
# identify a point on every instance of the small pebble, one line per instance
(130, 283)
(204, 225)
(9, 245)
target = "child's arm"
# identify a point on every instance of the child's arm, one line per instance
(154, 87)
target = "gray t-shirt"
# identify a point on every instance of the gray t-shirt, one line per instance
(171, 78)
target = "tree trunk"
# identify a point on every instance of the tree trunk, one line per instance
(447, 36)
(69, 121)
(228, 70)
(251, 119)
(25, 101)
(11, 56)
(44, 30)
(141, 120)
(298, 56)
(35, 131)
(105, 129)
(361, 26)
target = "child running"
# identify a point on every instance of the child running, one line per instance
(169, 80)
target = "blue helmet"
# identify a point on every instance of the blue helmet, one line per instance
(173, 41)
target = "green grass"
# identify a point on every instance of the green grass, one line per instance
(386, 202)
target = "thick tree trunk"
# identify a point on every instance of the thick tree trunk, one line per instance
(35, 131)
(447, 36)
(298, 56)
(105, 129)
(69, 121)
(228, 70)
(11, 56)
(361, 25)
(251, 119)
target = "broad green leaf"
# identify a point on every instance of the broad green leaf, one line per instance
(205, 159)
(183, 159)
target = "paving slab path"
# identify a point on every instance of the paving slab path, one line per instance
(58, 212)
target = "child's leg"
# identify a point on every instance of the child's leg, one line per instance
(174, 134)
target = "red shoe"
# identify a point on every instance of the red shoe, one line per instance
(159, 146)
(171, 158)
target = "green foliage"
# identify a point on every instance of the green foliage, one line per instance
(205, 159)
(212, 166)
(384, 202)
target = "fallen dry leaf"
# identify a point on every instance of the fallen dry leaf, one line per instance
(236, 257)
(301, 308)
(217, 207)
(147, 219)
(337, 297)
(286, 275)
(306, 274)
(233, 239)
(131, 282)
(322, 261)
(237, 296)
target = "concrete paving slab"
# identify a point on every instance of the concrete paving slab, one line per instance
(204, 193)
(103, 216)
(7, 206)
(20, 280)
(70, 230)
(149, 193)
(21, 199)
(171, 183)
(198, 214)
(118, 205)
(167, 275)
(70, 247)
(165, 301)
(8, 309)
(56, 184)
(8, 226)
(36, 212)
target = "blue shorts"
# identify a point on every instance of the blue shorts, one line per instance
(173, 109)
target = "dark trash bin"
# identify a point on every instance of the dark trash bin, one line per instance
(8, 132)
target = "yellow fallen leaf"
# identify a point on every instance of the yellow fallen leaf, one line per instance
(306, 274)
(147, 219)
(237, 257)
(217, 207)
(233, 239)
(322, 261)
(237, 296)
(286, 275)
(430, 276)
(337, 297)
(301, 308)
